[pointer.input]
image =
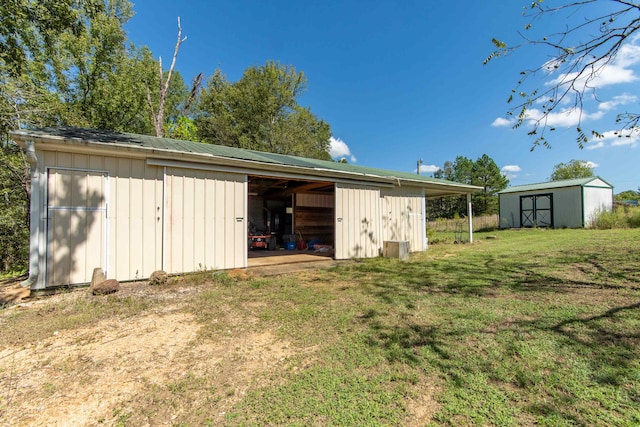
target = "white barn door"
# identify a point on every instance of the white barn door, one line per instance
(76, 225)
(358, 226)
(205, 220)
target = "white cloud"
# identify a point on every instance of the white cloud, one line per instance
(617, 101)
(565, 118)
(613, 73)
(631, 140)
(592, 145)
(510, 171)
(511, 168)
(500, 122)
(428, 168)
(338, 149)
(607, 73)
(628, 55)
(591, 164)
(614, 138)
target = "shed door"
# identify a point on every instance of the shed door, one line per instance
(536, 210)
(358, 228)
(76, 225)
(204, 225)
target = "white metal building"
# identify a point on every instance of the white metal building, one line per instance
(133, 204)
(570, 203)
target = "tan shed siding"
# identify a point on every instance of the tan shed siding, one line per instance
(403, 216)
(205, 224)
(135, 226)
(74, 210)
(358, 228)
(134, 209)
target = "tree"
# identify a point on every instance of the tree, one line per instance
(484, 173)
(627, 195)
(261, 112)
(157, 112)
(14, 197)
(591, 35)
(31, 28)
(487, 175)
(573, 169)
(77, 69)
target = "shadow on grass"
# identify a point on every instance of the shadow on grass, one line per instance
(507, 319)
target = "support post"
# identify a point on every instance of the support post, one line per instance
(470, 217)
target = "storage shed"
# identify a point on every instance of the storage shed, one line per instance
(133, 204)
(570, 203)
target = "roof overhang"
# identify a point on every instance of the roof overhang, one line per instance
(177, 158)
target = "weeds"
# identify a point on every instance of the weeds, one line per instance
(619, 217)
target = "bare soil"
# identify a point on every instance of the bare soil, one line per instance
(90, 375)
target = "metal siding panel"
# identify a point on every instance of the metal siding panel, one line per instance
(175, 185)
(596, 200)
(417, 223)
(240, 222)
(567, 207)
(121, 216)
(111, 165)
(75, 229)
(188, 255)
(202, 227)
(510, 210)
(151, 247)
(229, 211)
(208, 232)
(136, 215)
(403, 217)
(219, 224)
(358, 233)
(64, 160)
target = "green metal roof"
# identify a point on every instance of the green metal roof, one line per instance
(208, 150)
(578, 182)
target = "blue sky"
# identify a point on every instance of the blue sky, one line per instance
(399, 81)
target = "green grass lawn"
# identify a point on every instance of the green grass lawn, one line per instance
(534, 327)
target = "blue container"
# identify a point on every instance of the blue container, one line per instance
(291, 245)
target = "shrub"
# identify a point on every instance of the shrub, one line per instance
(619, 217)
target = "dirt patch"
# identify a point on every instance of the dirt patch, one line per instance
(11, 292)
(100, 375)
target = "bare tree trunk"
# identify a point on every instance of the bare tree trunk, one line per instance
(158, 116)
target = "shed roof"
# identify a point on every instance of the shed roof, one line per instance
(578, 182)
(207, 153)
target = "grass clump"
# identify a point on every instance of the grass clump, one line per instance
(619, 217)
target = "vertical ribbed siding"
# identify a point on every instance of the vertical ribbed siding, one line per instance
(403, 217)
(205, 220)
(358, 228)
(76, 208)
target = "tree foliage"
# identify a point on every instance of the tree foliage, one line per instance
(627, 195)
(571, 170)
(589, 36)
(66, 62)
(484, 173)
(14, 197)
(261, 112)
